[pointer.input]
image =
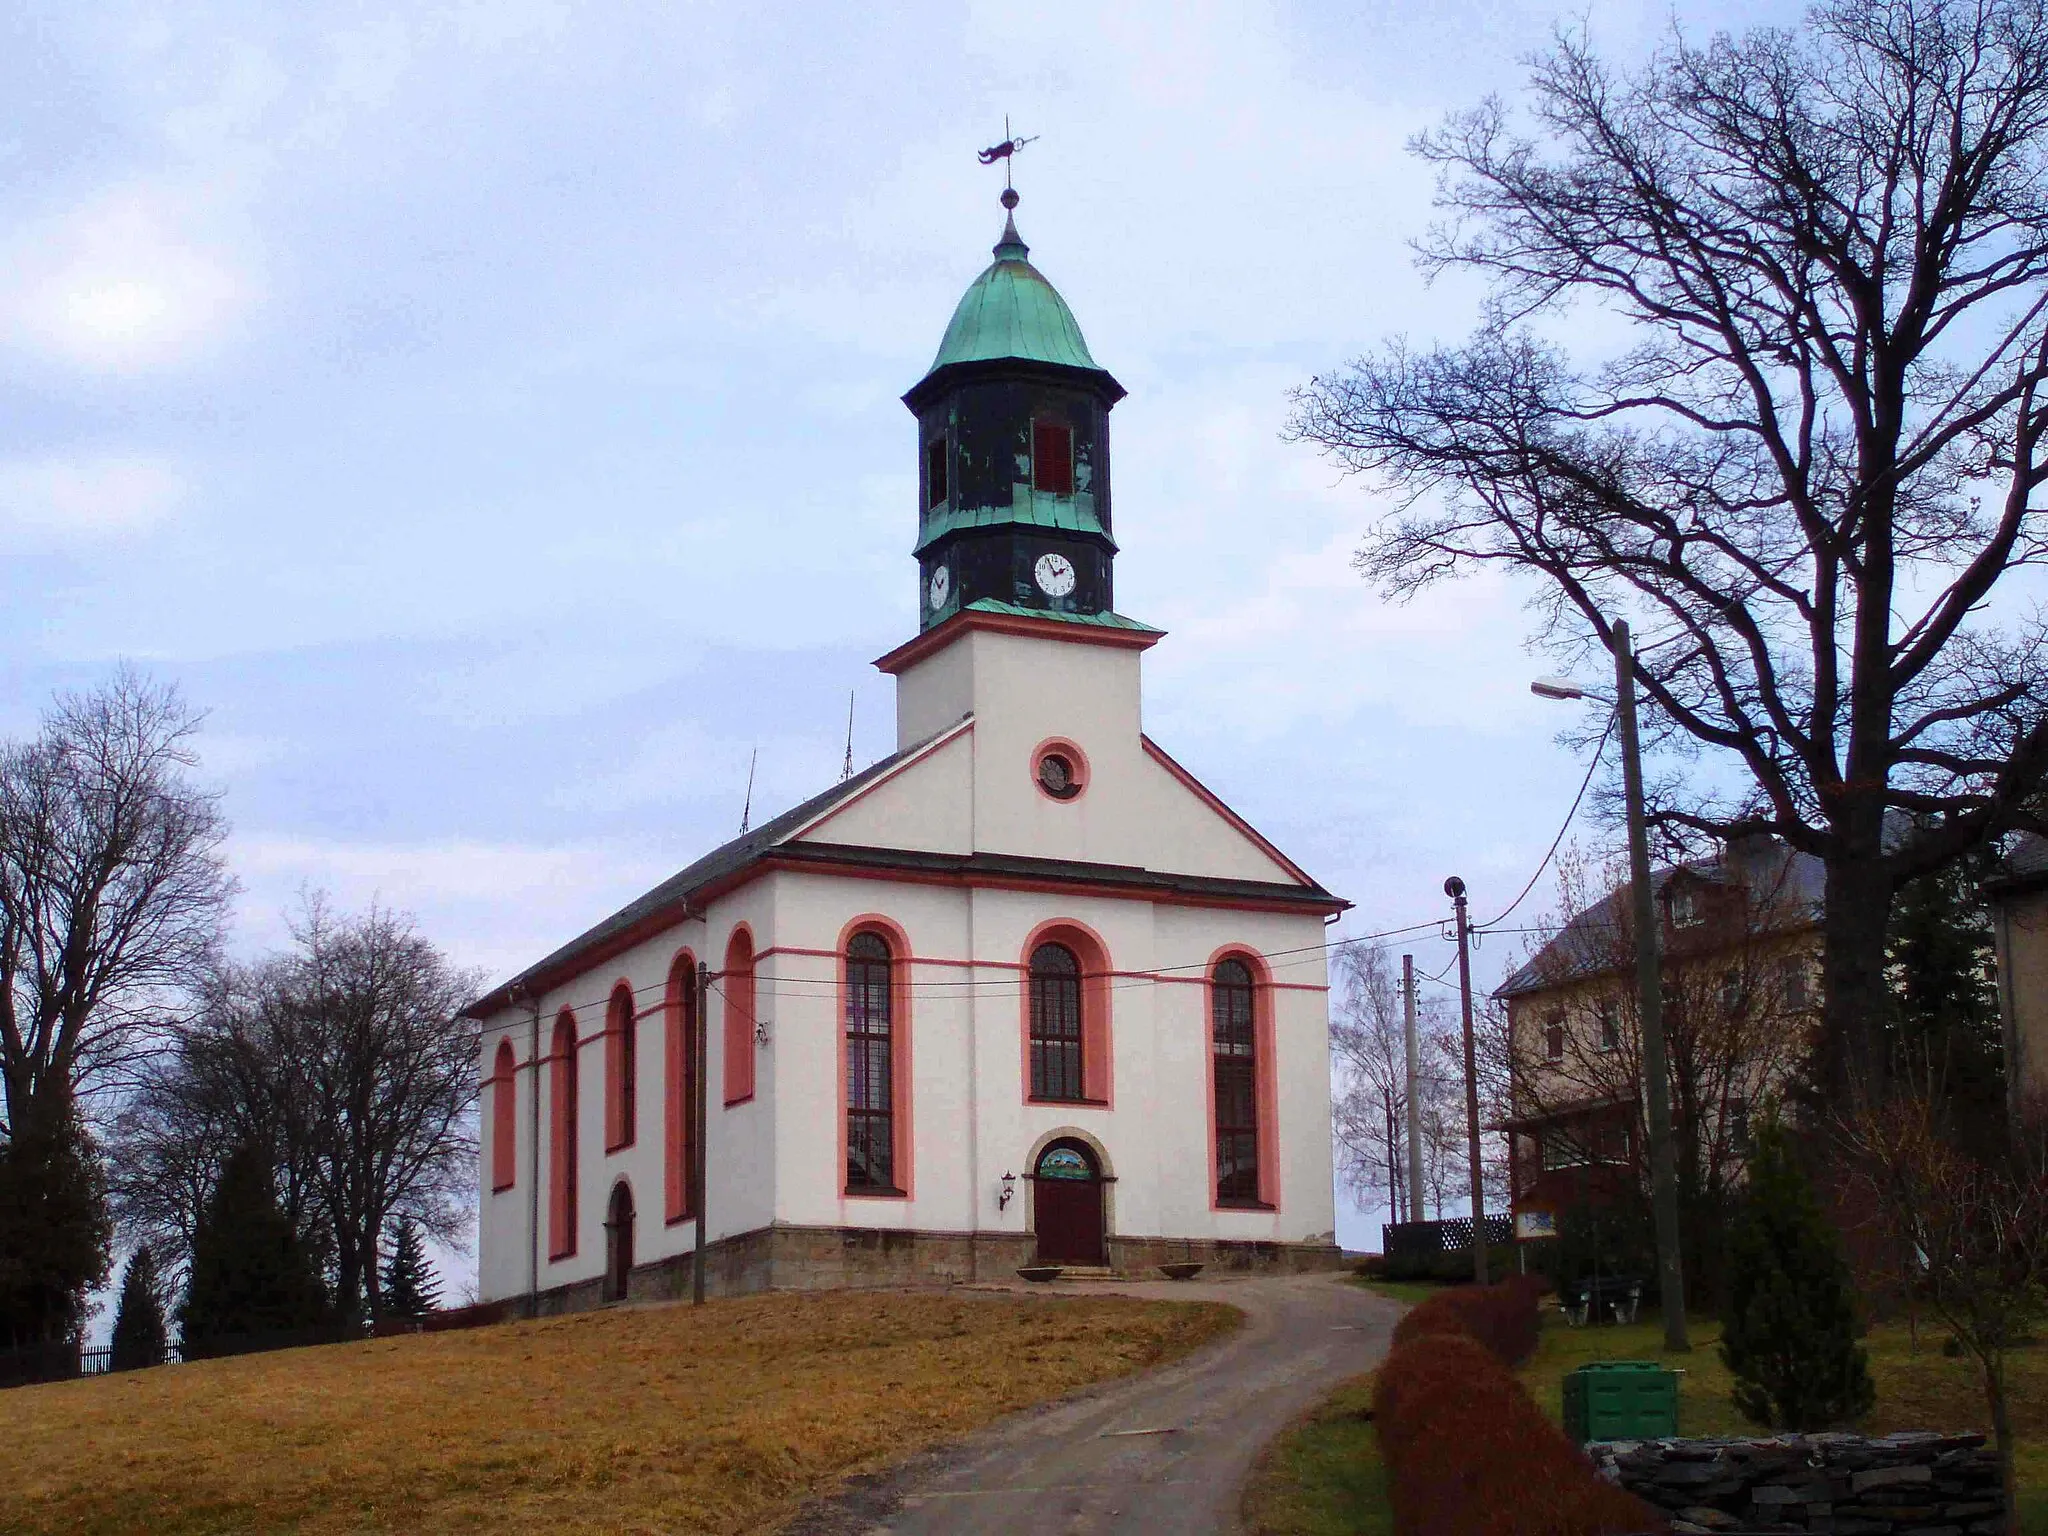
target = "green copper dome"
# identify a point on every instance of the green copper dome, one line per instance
(1011, 311)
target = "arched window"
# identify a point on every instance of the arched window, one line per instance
(1234, 1068)
(738, 987)
(680, 1129)
(504, 1118)
(562, 1161)
(870, 1066)
(1057, 1068)
(621, 1070)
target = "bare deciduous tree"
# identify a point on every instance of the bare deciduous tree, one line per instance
(1968, 1235)
(349, 1059)
(1811, 465)
(1371, 1108)
(1738, 1027)
(112, 888)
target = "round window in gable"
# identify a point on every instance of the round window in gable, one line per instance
(1060, 769)
(1056, 776)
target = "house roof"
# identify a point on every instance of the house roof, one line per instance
(2022, 869)
(1585, 946)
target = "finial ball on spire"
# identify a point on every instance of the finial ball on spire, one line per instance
(1009, 197)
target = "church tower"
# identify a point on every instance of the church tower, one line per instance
(1013, 453)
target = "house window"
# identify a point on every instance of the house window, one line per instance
(870, 1066)
(1562, 1149)
(1052, 457)
(1056, 1065)
(738, 987)
(1553, 1037)
(1610, 1025)
(562, 1162)
(504, 1118)
(621, 1069)
(935, 488)
(1731, 994)
(1234, 1063)
(1685, 908)
(1792, 981)
(1738, 1128)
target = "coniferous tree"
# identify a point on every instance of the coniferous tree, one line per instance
(54, 1229)
(141, 1335)
(410, 1288)
(1944, 1024)
(251, 1272)
(1789, 1332)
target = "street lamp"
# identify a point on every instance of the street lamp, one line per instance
(1649, 981)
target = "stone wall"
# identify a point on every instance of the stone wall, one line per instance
(793, 1258)
(1912, 1484)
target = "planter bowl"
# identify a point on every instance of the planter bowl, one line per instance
(1040, 1273)
(1184, 1270)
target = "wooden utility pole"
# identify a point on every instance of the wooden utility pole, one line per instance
(700, 1115)
(1414, 1101)
(1650, 1001)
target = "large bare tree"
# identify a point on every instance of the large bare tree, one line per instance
(112, 889)
(1807, 467)
(346, 1058)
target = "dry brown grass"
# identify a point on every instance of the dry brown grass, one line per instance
(653, 1419)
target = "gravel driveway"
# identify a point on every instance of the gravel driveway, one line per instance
(1164, 1453)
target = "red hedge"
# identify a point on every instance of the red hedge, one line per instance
(1467, 1451)
(1502, 1317)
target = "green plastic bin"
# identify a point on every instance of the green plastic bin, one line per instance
(1621, 1400)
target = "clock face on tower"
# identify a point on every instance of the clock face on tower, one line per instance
(941, 588)
(1054, 575)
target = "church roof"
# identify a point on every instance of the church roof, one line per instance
(1011, 311)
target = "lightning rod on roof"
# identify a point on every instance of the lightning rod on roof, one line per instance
(747, 810)
(846, 768)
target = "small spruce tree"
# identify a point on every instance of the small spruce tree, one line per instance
(54, 1229)
(141, 1335)
(251, 1273)
(409, 1287)
(1789, 1331)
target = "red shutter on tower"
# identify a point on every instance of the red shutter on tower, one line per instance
(1052, 457)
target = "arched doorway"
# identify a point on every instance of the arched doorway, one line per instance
(618, 1242)
(1067, 1204)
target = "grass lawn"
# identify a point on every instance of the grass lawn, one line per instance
(1917, 1388)
(1322, 1476)
(629, 1420)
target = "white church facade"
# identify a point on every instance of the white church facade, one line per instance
(1023, 991)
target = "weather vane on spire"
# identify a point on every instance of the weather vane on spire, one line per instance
(1004, 152)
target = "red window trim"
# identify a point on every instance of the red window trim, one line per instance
(1041, 426)
(679, 1007)
(1098, 1077)
(737, 987)
(621, 1069)
(1265, 1093)
(504, 1118)
(563, 1132)
(903, 1140)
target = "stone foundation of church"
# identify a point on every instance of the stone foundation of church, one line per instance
(791, 1258)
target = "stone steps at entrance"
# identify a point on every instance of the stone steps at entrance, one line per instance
(1090, 1272)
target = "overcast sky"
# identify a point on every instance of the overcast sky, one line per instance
(488, 413)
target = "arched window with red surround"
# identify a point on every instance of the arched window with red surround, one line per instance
(504, 1118)
(871, 1046)
(562, 1139)
(740, 1019)
(621, 1070)
(679, 1073)
(1241, 1086)
(1067, 1051)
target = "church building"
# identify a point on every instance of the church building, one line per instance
(1024, 991)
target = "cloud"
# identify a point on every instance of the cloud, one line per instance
(88, 496)
(122, 283)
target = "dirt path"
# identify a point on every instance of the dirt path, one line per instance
(1163, 1454)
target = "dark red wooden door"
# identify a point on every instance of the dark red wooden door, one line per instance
(1067, 1196)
